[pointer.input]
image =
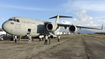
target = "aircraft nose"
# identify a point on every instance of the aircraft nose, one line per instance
(4, 26)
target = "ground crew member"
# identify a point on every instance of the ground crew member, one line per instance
(28, 33)
(49, 40)
(58, 38)
(20, 38)
(15, 38)
(40, 37)
(46, 38)
(30, 39)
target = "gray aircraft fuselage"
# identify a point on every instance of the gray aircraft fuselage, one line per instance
(21, 26)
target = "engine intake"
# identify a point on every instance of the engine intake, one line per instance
(72, 28)
(51, 27)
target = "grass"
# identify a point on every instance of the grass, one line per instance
(97, 35)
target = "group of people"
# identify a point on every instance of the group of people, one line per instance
(41, 37)
(48, 37)
(29, 36)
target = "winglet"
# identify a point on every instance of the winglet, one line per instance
(59, 16)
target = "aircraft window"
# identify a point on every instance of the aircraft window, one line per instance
(18, 20)
(12, 23)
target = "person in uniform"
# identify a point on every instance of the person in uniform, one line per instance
(49, 40)
(58, 38)
(15, 38)
(30, 39)
(46, 38)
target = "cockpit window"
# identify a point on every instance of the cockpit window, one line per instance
(16, 20)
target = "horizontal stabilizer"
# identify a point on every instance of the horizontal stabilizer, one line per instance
(61, 17)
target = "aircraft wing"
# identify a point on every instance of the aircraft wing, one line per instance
(51, 26)
(67, 25)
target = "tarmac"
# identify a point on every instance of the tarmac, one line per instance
(70, 47)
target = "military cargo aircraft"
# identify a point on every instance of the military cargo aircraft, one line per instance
(22, 25)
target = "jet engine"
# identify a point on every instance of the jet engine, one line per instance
(51, 26)
(72, 28)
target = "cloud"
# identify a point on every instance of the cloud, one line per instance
(82, 15)
(97, 5)
(91, 22)
(6, 7)
(27, 8)
(2, 18)
(75, 19)
(82, 18)
(23, 7)
(65, 22)
(100, 20)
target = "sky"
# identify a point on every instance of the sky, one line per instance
(84, 12)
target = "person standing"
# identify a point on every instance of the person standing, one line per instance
(46, 38)
(49, 40)
(58, 38)
(42, 37)
(30, 39)
(20, 38)
(15, 38)
(28, 33)
(39, 37)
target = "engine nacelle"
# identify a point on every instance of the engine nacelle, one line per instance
(72, 28)
(51, 26)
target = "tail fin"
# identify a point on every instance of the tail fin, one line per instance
(102, 27)
(59, 16)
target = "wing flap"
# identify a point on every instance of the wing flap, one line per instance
(87, 27)
(67, 25)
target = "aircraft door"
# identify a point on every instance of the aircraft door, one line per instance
(29, 32)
